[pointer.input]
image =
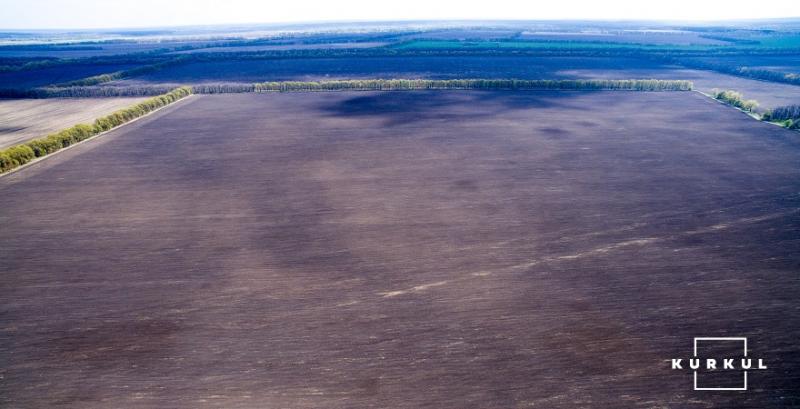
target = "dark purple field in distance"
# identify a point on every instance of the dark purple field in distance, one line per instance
(448, 249)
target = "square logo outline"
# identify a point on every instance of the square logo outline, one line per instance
(742, 339)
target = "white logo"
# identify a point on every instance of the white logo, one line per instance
(704, 364)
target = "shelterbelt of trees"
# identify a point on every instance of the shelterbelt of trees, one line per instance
(736, 99)
(455, 84)
(510, 84)
(19, 155)
(357, 85)
(785, 112)
(786, 116)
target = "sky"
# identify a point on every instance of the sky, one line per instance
(77, 14)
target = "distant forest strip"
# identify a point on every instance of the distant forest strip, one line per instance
(19, 155)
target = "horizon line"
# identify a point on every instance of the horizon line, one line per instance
(407, 21)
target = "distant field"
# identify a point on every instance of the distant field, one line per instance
(552, 45)
(432, 67)
(462, 34)
(54, 75)
(24, 119)
(298, 46)
(783, 63)
(778, 40)
(96, 49)
(403, 250)
(632, 37)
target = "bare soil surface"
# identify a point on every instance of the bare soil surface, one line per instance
(768, 94)
(25, 119)
(403, 250)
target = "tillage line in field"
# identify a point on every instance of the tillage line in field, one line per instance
(597, 251)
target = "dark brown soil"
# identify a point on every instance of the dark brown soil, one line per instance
(440, 250)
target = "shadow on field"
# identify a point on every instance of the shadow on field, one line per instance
(402, 107)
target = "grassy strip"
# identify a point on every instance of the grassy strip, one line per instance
(420, 84)
(19, 155)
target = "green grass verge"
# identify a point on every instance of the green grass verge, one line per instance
(19, 155)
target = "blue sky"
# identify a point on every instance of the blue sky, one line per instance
(29, 14)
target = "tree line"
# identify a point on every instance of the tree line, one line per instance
(19, 155)
(87, 92)
(355, 85)
(784, 112)
(455, 84)
(736, 99)
(787, 116)
(508, 84)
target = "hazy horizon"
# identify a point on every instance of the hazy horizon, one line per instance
(403, 23)
(148, 14)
